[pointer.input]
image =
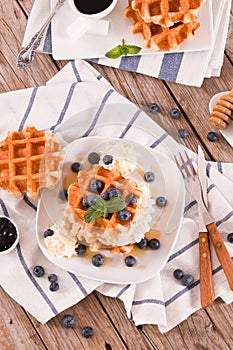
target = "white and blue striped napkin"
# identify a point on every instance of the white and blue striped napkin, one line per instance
(173, 67)
(162, 300)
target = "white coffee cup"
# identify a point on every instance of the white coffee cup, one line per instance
(97, 15)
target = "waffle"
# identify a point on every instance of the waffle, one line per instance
(167, 12)
(29, 160)
(157, 37)
(80, 189)
(222, 114)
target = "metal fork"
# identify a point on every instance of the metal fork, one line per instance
(193, 186)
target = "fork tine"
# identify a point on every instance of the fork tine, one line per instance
(179, 167)
(190, 164)
(184, 165)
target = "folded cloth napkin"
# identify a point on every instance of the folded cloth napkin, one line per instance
(161, 300)
(174, 66)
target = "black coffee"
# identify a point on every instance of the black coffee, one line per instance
(91, 7)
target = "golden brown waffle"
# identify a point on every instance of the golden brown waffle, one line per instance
(157, 37)
(222, 114)
(29, 160)
(167, 12)
(80, 189)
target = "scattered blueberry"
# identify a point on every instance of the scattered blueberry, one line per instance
(105, 195)
(161, 201)
(54, 286)
(38, 271)
(153, 108)
(107, 159)
(91, 199)
(143, 243)
(178, 274)
(130, 261)
(63, 195)
(124, 215)
(87, 332)
(187, 280)
(183, 133)
(113, 192)
(230, 237)
(97, 260)
(75, 167)
(93, 158)
(149, 176)
(212, 136)
(131, 198)
(52, 277)
(175, 113)
(48, 232)
(81, 249)
(85, 202)
(154, 243)
(68, 321)
(96, 186)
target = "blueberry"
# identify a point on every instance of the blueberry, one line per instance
(143, 243)
(75, 167)
(230, 237)
(81, 249)
(68, 321)
(85, 202)
(131, 198)
(175, 113)
(187, 280)
(130, 261)
(154, 243)
(161, 201)
(153, 108)
(63, 195)
(212, 136)
(124, 215)
(149, 176)
(97, 260)
(54, 286)
(48, 232)
(183, 133)
(105, 195)
(38, 271)
(96, 186)
(178, 274)
(93, 158)
(91, 199)
(107, 159)
(113, 192)
(87, 332)
(52, 277)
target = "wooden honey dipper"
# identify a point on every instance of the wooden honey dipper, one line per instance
(222, 114)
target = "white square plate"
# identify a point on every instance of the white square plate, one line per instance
(95, 46)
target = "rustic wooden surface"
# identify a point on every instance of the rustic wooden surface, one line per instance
(206, 329)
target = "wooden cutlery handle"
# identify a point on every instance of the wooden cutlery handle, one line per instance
(222, 252)
(206, 283)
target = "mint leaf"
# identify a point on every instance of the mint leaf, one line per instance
(115, 52)
(92, 214)
(133, 49)
(115, 204)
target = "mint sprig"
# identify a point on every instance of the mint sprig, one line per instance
(123, 50)
(102, 207)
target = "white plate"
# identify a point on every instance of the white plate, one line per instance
(95, 46)
(228, 132)
(170, 185)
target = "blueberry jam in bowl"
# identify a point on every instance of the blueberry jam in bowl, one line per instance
(9, 235)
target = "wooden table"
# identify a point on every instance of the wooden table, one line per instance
(206, 329)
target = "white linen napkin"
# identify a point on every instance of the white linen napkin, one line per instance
(174, 67)
(162, 300)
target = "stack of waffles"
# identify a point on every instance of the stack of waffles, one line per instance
(222, 114)
(164, 24)
(29, 160)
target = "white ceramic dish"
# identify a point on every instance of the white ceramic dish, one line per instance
(228, 132)
(17, 237)
(93, 46)
(148, 262)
